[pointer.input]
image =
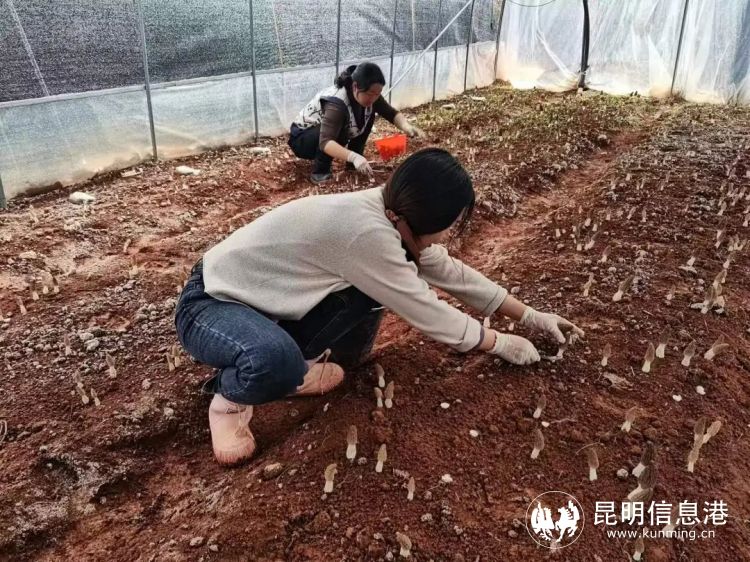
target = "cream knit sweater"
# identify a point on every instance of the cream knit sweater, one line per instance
(288, 260)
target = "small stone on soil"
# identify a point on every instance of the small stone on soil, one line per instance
(272, 470)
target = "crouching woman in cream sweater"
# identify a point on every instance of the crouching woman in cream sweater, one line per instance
(288, 302)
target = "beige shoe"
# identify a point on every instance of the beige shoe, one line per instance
(232, 439)
(320, 377)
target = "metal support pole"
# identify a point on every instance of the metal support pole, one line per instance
(252, 62)
(434, 65)
(468, 43)
(393, 44)
(338, 37)
(427, 48)
(147, 78)
(679, 48)
(584, 46)
(497, 39)
(3, 202)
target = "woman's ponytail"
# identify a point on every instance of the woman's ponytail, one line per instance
(345, 78)
(365, 74)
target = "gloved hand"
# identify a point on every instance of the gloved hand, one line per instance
(412, 130)
(514, 349)
(359, 162)
(557, 326)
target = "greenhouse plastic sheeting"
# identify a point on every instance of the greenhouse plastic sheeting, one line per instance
(633, 46)
(715, 61)
(70, 140)
(540, 47)
(59, 120)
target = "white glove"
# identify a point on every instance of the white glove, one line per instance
(552, 324)
(514, 349)
(359, 162)
(414, 131)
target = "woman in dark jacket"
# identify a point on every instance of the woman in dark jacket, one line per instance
(338, 120)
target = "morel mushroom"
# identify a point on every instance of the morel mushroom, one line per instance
(720, 278)
(410, 487)
(606, 354)
(669, 528)
(693, 456)
(720, 237)
(646, 481)
(708, 300)
(638, 548)
(380, 373)
(111, 364)
(648, 358)
(541, 403)
(379, 397)
(66, 343)
(405, 543)
(170, 362)
(330, 474)
(718, 347)
(647, 457)
(176, 356)
(593, 460)
(95, 398)
(699, 430)
(690, 266)
(630, 416)
(382, 457)
(663, 341)
(351, 443)
(82, 394)
(588, 284)
(389, 395)
(712, 430)
(688, 354)
(623, 288)
(538, 443)
(21, 307)
(605, 255)
(643, 496)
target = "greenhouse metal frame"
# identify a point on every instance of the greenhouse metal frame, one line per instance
(696, 49)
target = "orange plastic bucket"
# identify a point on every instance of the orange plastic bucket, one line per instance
(390, 147)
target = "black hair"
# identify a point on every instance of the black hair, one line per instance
(365, 74)
(430, 190)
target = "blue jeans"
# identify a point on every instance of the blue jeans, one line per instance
(259, 360)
